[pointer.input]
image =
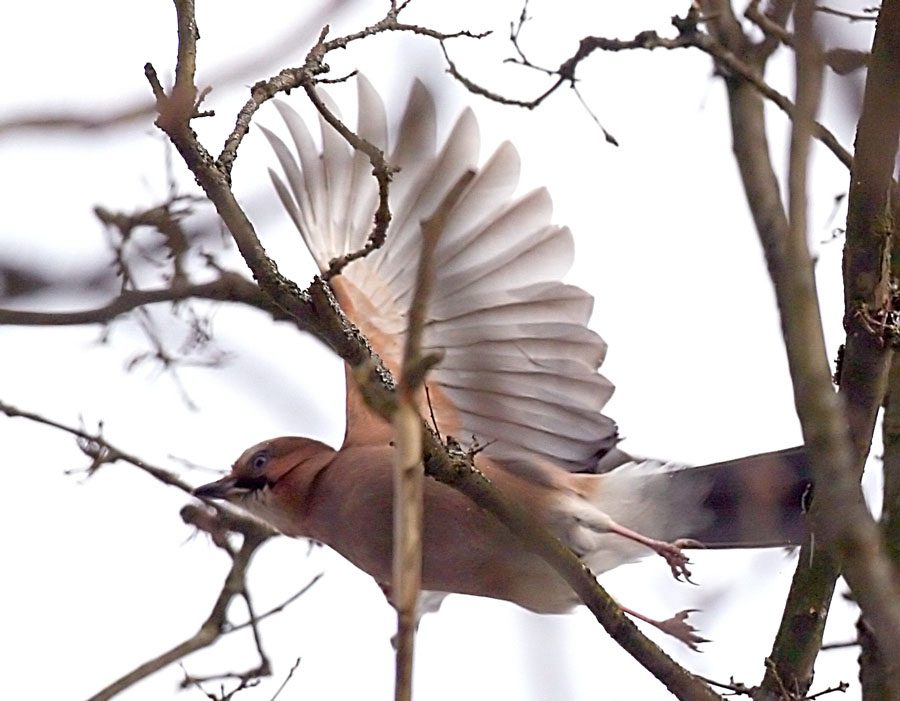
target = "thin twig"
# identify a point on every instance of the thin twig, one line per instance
(852, 16)
(278, 608)
(733, 686)
(254, 534)
(98, 445)
(769, 26)
(212, 628)
(477, 89)
(382, 172)
(96, 442)
(689, 37)
(313, 67)
(229, 287)
(840, 646)
(839, 687)
(286, 679)
(610, 139)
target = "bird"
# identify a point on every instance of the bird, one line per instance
(517, 384)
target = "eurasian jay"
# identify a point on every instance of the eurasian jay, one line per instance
(518, 377)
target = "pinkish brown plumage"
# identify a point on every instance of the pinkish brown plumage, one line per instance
(518, 375)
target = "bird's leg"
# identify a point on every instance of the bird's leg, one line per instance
(600, 522)
(672, 553)
(676, 626)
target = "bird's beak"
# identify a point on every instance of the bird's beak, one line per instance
(220, 489)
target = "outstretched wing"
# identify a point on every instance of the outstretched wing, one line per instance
(519, 368)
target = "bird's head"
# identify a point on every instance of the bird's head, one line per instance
(271, 479)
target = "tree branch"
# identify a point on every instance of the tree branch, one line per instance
(790, 664)
(216, 624)
(730, 63)
(227, 519)
(836, 467)
(381, 171)
(290, 78)
(875, 673)
(228, 287)
(869, 289)
(408, 432)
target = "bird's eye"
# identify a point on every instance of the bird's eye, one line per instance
(259, 460)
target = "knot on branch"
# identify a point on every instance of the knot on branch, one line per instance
(882, 322)
(688, 25)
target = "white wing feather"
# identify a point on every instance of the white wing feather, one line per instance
(520, 365)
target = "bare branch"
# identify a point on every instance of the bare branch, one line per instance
(236, 72)
(689, 36)
(226, 519)
(277, 608)
(111, 453)
(772, 22)
(841, 61)
(477, 89)
(874, 664)
(870, 16)
(790, 664)
(95, 442)
(772, 27)
(869, 292)
(408, 431)
(382, 172)
(255, 534)
(314, 66)
(229, 287)
(853, 537)
(286, 679)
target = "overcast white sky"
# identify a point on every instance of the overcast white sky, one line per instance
(101, 574)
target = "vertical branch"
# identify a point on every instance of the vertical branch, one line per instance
(868, 295)
(870, 275)
(837, 461)
(790, 664)
(875, 666)
(821, 413)
(819, 409)
(407, 565)
(808, 64)
(409, 472)
(838, 441)
(890, 512)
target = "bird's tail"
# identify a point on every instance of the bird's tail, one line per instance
(756, 501)
(759, 500)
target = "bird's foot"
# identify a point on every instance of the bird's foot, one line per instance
(675, 558)
(678, 627)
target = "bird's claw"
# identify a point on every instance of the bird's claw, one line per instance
(676, 559)
(678, 627)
